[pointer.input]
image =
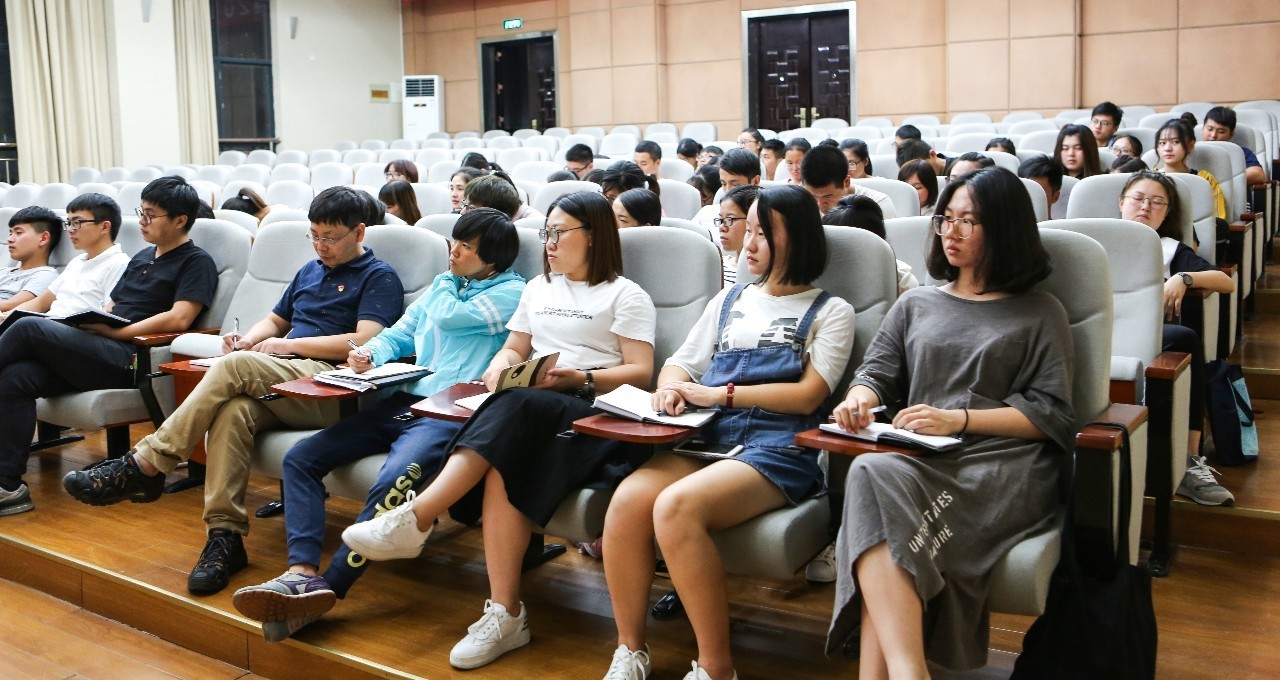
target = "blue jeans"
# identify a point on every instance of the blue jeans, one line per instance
(417, 451)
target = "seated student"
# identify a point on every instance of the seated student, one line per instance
(33, 234)
(824, 173)
(454, 329)
(637, 208)
(624, 176)
(507, 462)
(1152, 199)
(984, 358)
(648, 156)
(904, 133)
(313, 320)
(732, 225)
(917, 150)
(246, 201)
(1127, 164)
(497, 191)
(751, 140)
(1048, 173)
(968, 162)
(864, 213)
(401, 201)
(1104, 121)
(707, 181)
(1126, 145)
(687, 150)
(771, 154)
(1175, 140)
(561, 176)
(579, 160)
(1002, 144)
(402, 170)
(738, 167)
(93, 222)
(458, 186)
(163, 290)
(1077, 152)
(1220, 126)
(794, 156)
(596, 176)
(785, 344)
(710, 155)
(919, 174)
(859, 157)
(479, 161)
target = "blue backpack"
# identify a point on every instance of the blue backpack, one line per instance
(1231, 417)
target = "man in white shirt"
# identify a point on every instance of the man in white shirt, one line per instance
(93, 222)
(33, 234)
(824, 173)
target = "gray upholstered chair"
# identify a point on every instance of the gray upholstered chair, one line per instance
(553, 190)
(906, 202)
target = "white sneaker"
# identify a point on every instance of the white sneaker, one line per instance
(822, 569)
(699, 674)
(392, 535)
(629, 665)
(495, 634)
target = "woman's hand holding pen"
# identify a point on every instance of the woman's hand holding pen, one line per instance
(857, 410)
(359, 359)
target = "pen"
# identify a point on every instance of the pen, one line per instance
(878, 409)
(358, 350)
(235, 334)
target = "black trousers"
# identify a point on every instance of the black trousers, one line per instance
(1182, 339)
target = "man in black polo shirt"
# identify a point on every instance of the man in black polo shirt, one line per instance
(346, 294)
(162, 290)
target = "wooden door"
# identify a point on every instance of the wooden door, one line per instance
(799, 69)
(519, 81)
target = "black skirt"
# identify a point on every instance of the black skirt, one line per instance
(518, 431)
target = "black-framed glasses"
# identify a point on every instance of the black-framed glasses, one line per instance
(147, 217)
(391, 176)
(1152, 201)
(726, 221)
(552, 236)
(73, 226)
(960, 227)
(321, 241)
(576, 172)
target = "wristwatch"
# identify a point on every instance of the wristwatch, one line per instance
(589, 389)
(1186, 278)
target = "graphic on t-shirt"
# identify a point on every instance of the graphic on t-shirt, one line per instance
(560, 311)
(780, 331)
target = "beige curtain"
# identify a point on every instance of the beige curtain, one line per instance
(61, 86)
(197, 100)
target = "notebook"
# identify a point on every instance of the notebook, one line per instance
(634, 403)
(887, 434)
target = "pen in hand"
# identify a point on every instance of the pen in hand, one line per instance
(235, 336)
(368, 356)
(873, 411)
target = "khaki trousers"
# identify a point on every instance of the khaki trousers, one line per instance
(227, 405)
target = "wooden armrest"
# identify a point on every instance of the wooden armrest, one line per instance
(156, 339)
(1168, 366)
(1239, 226)
(176, 367)
(1260, 186)
(306, 388)
(1105, 439)
(624, 430)
(1229, 269)
(441, 407)
(847, 446)
(1250, 216)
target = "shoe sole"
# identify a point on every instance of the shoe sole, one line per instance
(377, 554)
(268, 605)
(1197, 501)
(518, 640)
(78, 494)
(17, 508)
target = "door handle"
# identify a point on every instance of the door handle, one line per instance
(813, 113)
(801, 116)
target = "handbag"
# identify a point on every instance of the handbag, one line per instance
(1095, 625)
(1231, 418)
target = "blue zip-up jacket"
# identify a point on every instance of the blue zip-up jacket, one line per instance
(455, 328)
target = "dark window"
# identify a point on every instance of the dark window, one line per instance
(242, 71)
(8, 129)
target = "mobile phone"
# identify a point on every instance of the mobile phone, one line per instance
(704, 449)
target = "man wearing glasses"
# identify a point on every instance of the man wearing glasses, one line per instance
(33, 234)
(162, 290)
(345, 294)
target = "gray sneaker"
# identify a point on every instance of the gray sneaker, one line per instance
(822, 569)
(1201, 486)
(16, 501)
(285, 604)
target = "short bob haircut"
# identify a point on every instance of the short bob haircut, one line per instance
(343, 206)
(643, 205)
(824, 166)
(625, 175)
(859, 149)
(1171, 227)
(741, 162)
(792, 208)
(1002, 144)
(493, 191)
(173, 195)
(1092, 165)
(497, 242)
(604, 262)
(706, 180)
(103, 207)
(857, 211)
(1133, 142)
(246, 201)
(923, 171)
(1182, 131)
(756, 136)
(469, 172)
(400, 194)
(44, 221)
(408, 169)
(1013, 258)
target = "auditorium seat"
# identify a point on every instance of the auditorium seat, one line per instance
(699, 132)
(546, 143)
(97, 188)
(370, 174)
(433, 199)
(218, 174)
(253, 172)
(55, 196)
(292, 193)
(291, 171)
(241, 219)
(373, 144)
(231, 158)
(673, 168)
(440, 224)
(358, 156)
(502, 143)
(327, 175)
(906, 202)
(441, 171)
(534, 171)
(261, 157)
(84, 174)
(291, 156)
(679, 199)
(553, 190)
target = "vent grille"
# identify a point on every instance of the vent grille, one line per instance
(420, 87)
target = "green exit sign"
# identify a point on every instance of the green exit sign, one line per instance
(512, 24)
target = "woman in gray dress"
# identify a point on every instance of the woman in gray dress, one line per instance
(983, 358)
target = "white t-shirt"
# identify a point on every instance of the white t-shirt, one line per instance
(87, 284)
(582, 322)
(760, 320)
(14, 280)
(906, 280)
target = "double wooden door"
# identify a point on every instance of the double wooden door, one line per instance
(799, 69)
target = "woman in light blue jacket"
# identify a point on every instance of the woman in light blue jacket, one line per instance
(454, 329)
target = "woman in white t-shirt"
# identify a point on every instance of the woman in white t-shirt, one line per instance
(766, 355)
(732, 225)
(508, 462)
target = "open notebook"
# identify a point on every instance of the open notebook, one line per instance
(387, 374)
(884, 433)
(524, 374)
(634, 403)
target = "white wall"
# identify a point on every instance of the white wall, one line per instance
(322, 76)
(144, 97)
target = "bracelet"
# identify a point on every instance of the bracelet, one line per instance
(966, 421)
(728, 397)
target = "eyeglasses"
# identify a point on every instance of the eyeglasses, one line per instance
(75, 225)
(854, 164)
(146, 217)
(1155, 202)
(393, 176)
(1101, 122)
(726, 221)
(574, 171)
(552, 236)
(328, 241)
(960, 227)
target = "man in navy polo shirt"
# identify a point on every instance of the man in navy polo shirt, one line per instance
(345, 294)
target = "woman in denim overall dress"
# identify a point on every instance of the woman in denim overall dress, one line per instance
(765, 355)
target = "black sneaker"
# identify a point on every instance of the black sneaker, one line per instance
(112, 481)
(223, 556)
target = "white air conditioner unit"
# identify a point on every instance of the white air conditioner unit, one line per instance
(423, 106)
